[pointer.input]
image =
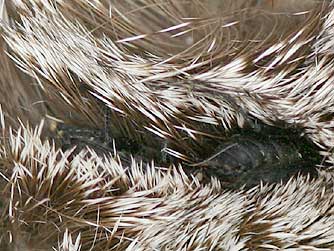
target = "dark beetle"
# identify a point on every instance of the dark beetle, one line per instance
(247, 160)
(244, 159)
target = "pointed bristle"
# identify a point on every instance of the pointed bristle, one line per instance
(174, 75)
